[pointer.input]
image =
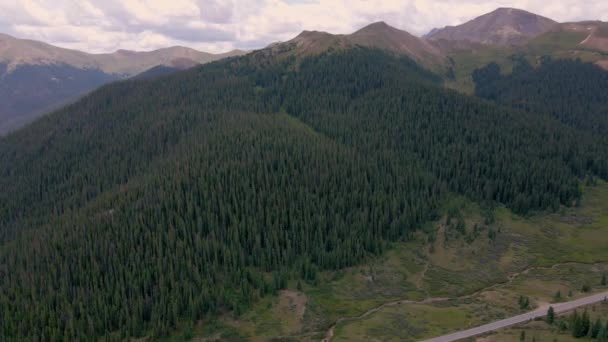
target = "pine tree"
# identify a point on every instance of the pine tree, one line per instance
(575, 324)
(586, 324)
(596, 328)
(557, 296)
(581, 324)
(524, 302)
(603, 333)
(550, 315)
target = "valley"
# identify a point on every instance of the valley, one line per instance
(364, 186)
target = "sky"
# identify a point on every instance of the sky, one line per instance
(222, 25)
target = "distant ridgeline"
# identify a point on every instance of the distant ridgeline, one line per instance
(574, 92)
(154, 202)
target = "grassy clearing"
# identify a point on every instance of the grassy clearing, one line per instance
(466, 61)
(555, 41)
(399, 325)
(272, 317)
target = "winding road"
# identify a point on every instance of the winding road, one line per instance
(540, 312)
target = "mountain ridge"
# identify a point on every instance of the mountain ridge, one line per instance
(378, 35)
(507, 28)
(36, 77)
(16, 51)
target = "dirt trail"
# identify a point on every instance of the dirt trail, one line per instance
(510, 278)
(421, 279)
(422, 274)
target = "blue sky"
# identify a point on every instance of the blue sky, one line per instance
(221, 25)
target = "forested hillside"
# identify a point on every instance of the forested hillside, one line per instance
(572, 91)
(153, 202)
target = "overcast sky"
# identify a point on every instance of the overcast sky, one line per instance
(221, 25)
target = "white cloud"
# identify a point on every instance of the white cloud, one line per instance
(219, 25)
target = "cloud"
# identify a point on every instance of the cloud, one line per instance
(216, 11)
(196, 32)
(219, 25)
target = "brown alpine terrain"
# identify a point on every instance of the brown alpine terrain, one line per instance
(377, 35)
(504, 26)
(15, 52)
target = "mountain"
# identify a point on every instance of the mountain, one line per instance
(163, 208)
(504, 26)
(15, 52)
(167, 69)
(377, 35)
(158, 71)
(154, 204)
(36, 77)
(382, 36)
(474, 45)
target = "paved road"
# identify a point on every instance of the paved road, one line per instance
(540, 312)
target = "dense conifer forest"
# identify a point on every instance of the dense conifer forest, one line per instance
(154, 202)
(570, 90)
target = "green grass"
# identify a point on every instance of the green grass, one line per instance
(466, 61)
(554, 41)
(411, 324)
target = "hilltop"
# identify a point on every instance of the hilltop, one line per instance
(504, 26)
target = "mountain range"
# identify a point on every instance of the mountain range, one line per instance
(36, 77)
(293, 190)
